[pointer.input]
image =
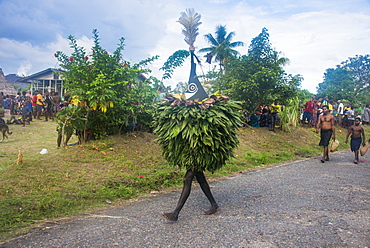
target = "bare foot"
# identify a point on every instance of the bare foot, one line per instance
(170, 216)
(212, 210)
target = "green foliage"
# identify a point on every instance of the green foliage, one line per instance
(221, 46)
(195, 138)
(174, 61)
(337, 84)
(349, 81)
(112, 91)
(290, 114)
(71, 119)
(304, 95)
(259, 78)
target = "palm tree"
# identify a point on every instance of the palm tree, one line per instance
(221, 46)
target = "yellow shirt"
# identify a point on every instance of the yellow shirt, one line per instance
(275, 108)
(40, 100)
(330, 108)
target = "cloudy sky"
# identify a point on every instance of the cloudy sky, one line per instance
(313, 34)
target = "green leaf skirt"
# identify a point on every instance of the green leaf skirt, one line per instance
(197, 138)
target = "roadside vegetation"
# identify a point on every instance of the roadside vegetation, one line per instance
(108, 172)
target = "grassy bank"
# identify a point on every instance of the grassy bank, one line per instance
(104, 173)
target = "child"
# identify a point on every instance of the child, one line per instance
(26, 112)
(356, 131)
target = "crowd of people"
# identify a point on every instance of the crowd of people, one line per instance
(344, 114)
(322, 115)
(325, 114)
(25, 107)
(266, 116)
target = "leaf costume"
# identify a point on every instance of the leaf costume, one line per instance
(198, 136)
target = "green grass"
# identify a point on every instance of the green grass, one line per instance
(82, 178)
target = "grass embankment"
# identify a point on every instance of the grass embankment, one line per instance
(64, 182)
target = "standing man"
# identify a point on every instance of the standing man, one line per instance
(49, 106)
(359, 110)
(308, 111)
(356, 131)
(34, 101)
(39, 105)
(327, 131)
(274, 110)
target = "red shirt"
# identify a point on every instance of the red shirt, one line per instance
(34, 100)
(309, 107)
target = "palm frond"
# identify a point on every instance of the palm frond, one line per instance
(191, 21)
(236, 44)
(220, 33)
(211, 40)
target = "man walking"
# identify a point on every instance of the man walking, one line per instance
(327, 131)
(356, 131)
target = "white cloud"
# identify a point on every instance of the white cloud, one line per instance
(315, 35)
(27, 59)
(24, 68)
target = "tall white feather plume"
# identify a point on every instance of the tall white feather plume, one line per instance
(190, 20)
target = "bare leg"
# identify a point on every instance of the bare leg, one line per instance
(325, 156)
(326, 153)
(188, 178)
(356, 157)
(207, 191)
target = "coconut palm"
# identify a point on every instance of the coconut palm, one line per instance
(221, 45)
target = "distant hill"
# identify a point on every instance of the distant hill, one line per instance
(12, 78)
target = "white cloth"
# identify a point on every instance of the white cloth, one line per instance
(366, 115)
(340, 108)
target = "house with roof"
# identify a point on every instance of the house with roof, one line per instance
(46, 80)
(5, 86)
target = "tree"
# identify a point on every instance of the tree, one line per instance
(304, 95)
(180, 88)
(349, 81)
(112, 91)
(221, 46)
(338, 84)
(258, 78)
(359, 69)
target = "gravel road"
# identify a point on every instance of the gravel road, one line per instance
(300, 204)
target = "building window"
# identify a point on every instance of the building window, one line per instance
(56, 76)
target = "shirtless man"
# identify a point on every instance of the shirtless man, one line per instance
(327, 131)
(356, 131)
